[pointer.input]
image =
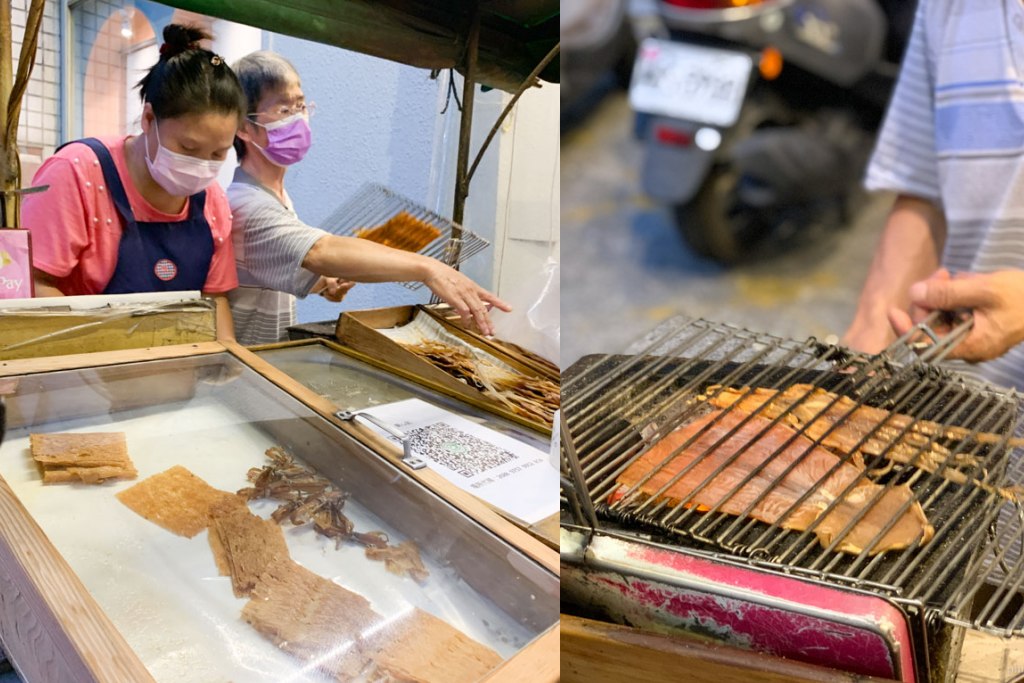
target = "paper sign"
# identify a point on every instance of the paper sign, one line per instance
(15, 264)
(508, 474)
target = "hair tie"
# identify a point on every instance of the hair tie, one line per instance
(167, 50)
(216, 60)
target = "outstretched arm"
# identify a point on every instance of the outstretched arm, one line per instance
(360, 260)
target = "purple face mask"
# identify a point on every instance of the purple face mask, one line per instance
(288, 140)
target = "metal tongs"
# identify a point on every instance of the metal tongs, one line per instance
(935, 347)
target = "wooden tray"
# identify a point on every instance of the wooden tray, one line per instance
(507, 351)
(359, 331)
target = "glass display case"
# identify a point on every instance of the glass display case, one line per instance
(115, 594)
(354, 385)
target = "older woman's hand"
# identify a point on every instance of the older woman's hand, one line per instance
(333, 288)
(996, 301)
(471, 301)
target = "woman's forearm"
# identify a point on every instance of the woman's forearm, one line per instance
(222, 315)
(360, 260)
(44, 284)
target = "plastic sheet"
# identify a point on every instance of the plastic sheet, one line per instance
(54, 326)
(534, 321)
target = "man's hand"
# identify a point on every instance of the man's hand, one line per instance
(996, 301)
(471, 301)
(908, 251)
(870, 339)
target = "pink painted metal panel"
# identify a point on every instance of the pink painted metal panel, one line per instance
(762, 611)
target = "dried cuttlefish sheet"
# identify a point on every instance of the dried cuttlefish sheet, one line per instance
(308, 497)
(91, 458)
(858, 430)
(244, 545)
(316, 619)
(534, 398)
(403, 231)
(308, 616)
(421, 648)
(741, 464)
(177, 500)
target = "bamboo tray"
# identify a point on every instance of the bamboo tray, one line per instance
(361, 331)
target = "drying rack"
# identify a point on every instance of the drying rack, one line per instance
(375, 204)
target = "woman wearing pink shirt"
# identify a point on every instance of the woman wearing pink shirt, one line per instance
(144, 213)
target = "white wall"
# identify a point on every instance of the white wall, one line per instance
(528, 181)
(232, 42)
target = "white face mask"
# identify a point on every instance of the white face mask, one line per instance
(180, 174)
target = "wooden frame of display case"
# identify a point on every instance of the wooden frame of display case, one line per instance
(54, 630)
(599, 652)
(55, 329)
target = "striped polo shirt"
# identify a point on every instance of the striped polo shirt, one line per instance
(270, 244)
(954, 134)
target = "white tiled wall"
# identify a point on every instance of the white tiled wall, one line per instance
(39, 130)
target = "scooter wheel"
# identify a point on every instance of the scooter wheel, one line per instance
(718, 225)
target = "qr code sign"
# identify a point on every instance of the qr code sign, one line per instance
(457, 450)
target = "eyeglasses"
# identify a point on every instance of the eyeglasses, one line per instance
(284, 111)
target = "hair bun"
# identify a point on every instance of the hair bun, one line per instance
(179, 38)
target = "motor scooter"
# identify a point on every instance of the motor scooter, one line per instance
(758, 116)
(597, 52)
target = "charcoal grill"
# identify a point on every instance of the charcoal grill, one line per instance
(643, 556)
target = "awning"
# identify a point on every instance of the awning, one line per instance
(514, 34)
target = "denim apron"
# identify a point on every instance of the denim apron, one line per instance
(156, 256)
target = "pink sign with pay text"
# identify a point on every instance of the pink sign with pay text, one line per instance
(15, 264)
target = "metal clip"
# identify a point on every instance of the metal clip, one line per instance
(409, 458)
(934, 348)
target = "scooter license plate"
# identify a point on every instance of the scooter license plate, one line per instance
(684, 81)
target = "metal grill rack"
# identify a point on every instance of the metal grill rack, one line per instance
(375, 204)
(948, 440)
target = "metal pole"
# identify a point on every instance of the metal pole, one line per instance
(7, 175)
(465, 132)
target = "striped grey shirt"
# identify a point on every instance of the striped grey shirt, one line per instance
(954, 134)
(270, 244)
